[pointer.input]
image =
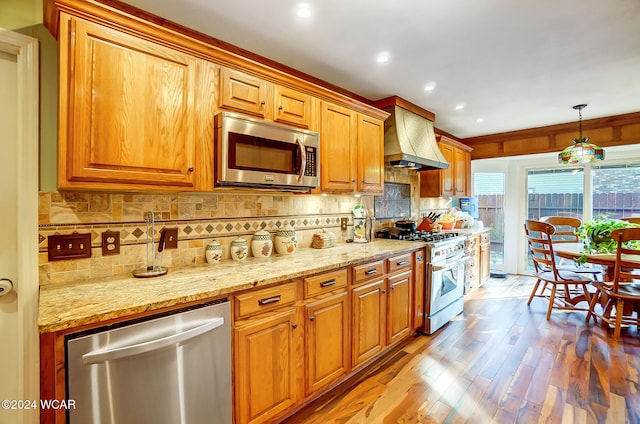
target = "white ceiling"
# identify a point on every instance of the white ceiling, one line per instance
(515, 63)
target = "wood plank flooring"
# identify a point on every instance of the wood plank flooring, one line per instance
(498, 362)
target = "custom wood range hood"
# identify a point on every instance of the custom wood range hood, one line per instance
(409, 136)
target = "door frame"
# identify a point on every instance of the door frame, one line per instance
(26, 283)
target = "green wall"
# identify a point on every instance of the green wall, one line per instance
(25, 17)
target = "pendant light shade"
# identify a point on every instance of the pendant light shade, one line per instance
(581, 151)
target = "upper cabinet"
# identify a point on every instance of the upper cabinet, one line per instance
(453, 181)
(138, 100)
(352, 151)
(255, 96)
(133, 114)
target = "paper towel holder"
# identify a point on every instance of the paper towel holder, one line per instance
(6, 286)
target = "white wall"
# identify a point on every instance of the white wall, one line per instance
(515, 210)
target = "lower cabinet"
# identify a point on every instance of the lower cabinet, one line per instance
(368, 311)
(326, 341)
(399, 309)
(294, 340)
(267, 356)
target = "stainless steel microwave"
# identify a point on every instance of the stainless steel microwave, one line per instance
(254, 153)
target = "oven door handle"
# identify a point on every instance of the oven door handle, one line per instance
(450, 264)
(303, 158)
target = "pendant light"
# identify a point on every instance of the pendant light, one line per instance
(581, 151)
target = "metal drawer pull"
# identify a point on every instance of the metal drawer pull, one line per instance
(328, 283)
(400, 263)
(136, 349)
(371, 271)
(269, 300)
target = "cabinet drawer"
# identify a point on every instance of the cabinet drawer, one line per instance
(325, 282)
(366, 271)
(399, 262)
(264, 300)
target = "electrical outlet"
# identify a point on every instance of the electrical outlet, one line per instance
(110, 243)
(170, 238)
(69, 246)
(343, 223)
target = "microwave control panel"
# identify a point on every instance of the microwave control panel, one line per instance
(311, 170)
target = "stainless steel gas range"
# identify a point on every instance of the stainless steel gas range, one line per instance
(445, 262)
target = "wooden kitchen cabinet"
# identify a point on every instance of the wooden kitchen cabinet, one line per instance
(370, 167)
(485, 256)
(419, 284)
(255, 96)
(399, 308)
(337, 148)
(133, 113)
(326, 328)
(453, 181)
(267, 366)
(368, 320)
(352, 151)
(326, 341)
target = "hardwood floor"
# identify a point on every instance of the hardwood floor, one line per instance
(498, 362)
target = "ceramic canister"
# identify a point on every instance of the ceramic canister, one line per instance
(239, 249)
(213, 252)
(261, 245)
(286, 242)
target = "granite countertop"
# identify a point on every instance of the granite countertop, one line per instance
(64, 306)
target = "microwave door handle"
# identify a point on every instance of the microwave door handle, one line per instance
(303, 158)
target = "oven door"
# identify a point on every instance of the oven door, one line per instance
(446, 284)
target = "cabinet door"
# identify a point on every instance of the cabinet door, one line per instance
(292, 107)
(338, 148)
(244, 93)
(133, 114)
(461, 171)
(448, 174)
(368, 311)
(327, 346)
(485, 262)
(267, 366)
(370, 155)
(419, 284)
(398, 307)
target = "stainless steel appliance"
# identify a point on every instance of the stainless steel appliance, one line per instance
(171, 369)
(445, 262)
(255, 153)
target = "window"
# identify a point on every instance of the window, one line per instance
(555, 192)
(616, 191)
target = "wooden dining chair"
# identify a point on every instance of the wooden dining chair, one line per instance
(621, 297)
(567, 288)
(567, 232)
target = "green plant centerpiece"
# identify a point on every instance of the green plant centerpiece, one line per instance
(596, 236)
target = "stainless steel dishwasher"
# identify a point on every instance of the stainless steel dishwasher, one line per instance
(174, 368)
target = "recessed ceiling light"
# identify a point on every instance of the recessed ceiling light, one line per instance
(304, 11)
(383, 57)
(480, 120)
(460, 106)
(430, 86)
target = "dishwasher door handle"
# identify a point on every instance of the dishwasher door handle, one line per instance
(122, 352)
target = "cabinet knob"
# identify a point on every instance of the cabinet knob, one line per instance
(353, 181)
(384, 292)
(312, 318)
(280, 107)
(190, 169)
(294, 325)
(263, 102)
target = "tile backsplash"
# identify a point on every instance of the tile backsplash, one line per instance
(198, 217)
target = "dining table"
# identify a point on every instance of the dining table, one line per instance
(606, 260)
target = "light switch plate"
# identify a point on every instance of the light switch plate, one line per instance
(69, 246)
